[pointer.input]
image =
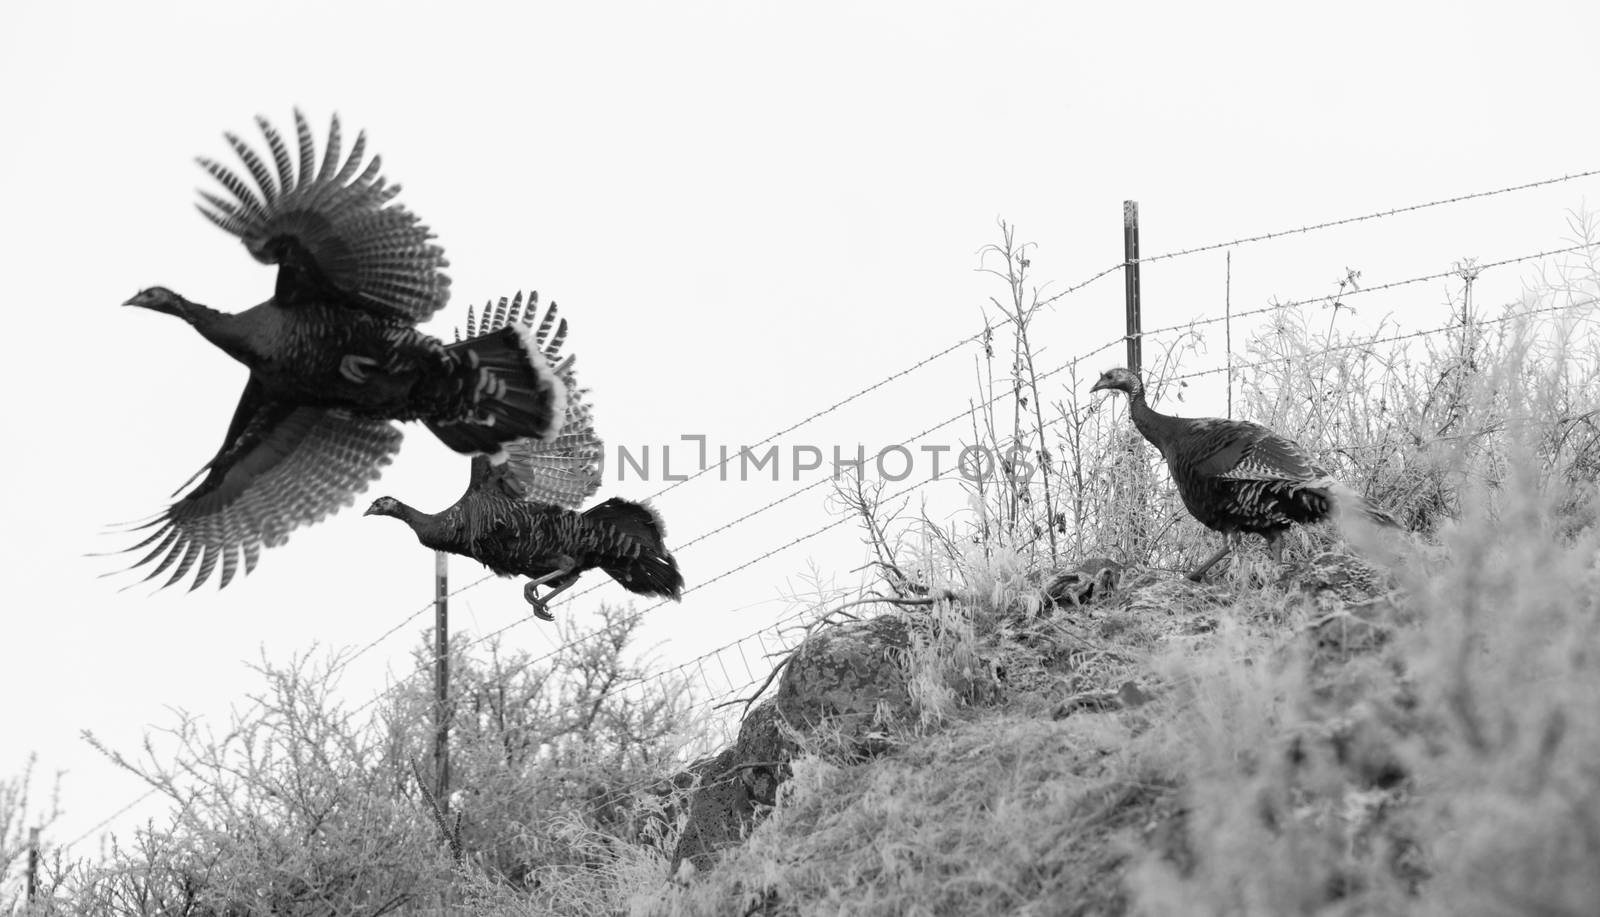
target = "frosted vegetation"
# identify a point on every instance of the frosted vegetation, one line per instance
(1433, 748)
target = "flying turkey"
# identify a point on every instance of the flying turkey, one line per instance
(334, 356)
(1238, 477)
(520, 518)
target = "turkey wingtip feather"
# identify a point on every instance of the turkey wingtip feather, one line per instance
(549, 376)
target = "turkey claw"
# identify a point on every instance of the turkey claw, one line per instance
(540, 609)
(353, 367)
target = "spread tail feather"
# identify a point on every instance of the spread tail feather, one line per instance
(511, 392)
(650, 569)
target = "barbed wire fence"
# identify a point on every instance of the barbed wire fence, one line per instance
(1075, 287)
(773, 632)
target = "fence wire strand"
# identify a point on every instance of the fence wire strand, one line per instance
(1375, 215)
(635, 616)
(1245, 240)
(1048, 301)
(1376, 288)
(1389, 339)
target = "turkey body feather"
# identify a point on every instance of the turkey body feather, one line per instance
(1238, 477)
(519, 517)
(551, 545)
(334, 356)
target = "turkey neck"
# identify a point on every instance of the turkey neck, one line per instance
(230, 332)
(432, 529)
(1156, 426)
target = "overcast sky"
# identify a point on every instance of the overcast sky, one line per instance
(747, 211)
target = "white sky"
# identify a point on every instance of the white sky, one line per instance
(746, 212)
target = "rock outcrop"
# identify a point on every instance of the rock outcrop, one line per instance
(844, 682)
(845, 687)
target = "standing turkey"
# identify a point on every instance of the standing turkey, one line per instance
(1238, 477)
(334, 357)
(520, 518)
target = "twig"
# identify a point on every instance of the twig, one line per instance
(452, 837)
(761, 688)
(896, 600)
(920, 601)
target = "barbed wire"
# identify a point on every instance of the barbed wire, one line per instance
(1357, 345)
(791, 495)
(1212, 246)
(111, 818)
(903, 440)
(1375, 215)
(826, 411)
(1346, 294)
(710, 705)
(704, 470)
(1503, 427)
(1051, 299)
(567, 600)
(882, 382)
(341, 664)
(1069, 364)
(635, 616)
(713, 699)
(553, 653)
(776, 628)
(967, 413)
(776, 625)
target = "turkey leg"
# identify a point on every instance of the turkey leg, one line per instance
(1229, 542)
(540, 605)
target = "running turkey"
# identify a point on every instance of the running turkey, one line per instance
(520, 518)
(334, 356)
(1238, 477)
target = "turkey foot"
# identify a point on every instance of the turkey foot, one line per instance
(354, 367)
(541, 609)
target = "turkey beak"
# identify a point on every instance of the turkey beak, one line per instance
(1099, 384)
(371, 510)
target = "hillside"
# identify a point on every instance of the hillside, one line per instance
(1387, 725)
(1002, 720)
(1332, 741)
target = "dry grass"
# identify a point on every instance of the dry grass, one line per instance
(1286, 766)
(1429, 750)
(1420, 741)
(300, 808)
(996, 814)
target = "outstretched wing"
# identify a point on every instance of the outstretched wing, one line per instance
(280, 468)
(564, 472)
(567, 470)
(333, 229)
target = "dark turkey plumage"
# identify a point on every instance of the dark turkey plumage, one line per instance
(520, 518)
(1238, 477)
(334, 356)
